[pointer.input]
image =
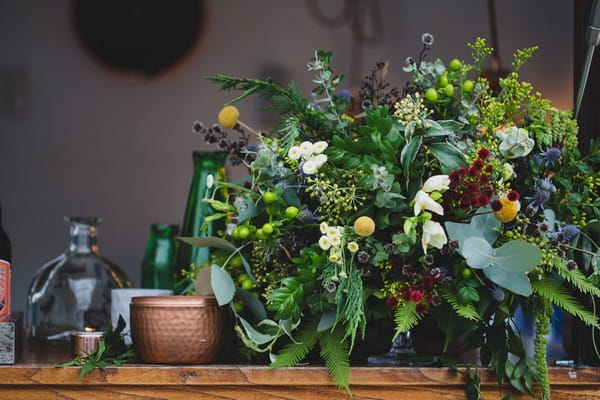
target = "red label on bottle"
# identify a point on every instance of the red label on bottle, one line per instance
(4, 290)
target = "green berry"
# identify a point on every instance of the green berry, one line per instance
(443, 80)
(466, 273)
(260, 234)
(267, 228)
(247, 284)
(449, 90)
(244, 232)
(468, 86)
(455, 64)
(269, 197)
(242, 278)
(431, 94)
(236, 262)
(291, 212)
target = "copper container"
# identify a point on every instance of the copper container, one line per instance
(84, 343)
(176, 329)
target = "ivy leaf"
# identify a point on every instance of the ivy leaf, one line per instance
(222, 284)
(449, 156)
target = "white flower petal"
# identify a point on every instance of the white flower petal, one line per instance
(320, 147)
(433, 235)
(436, 182)
(294, 153)
(324, 243)
(323, 227)
(424, 202)
(309, 167)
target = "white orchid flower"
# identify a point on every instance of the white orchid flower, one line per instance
(424, 202)
(294, 153)
(306, 149)
(319, 147)
(433, 235)
(324, 243)
(309, 167)
(436, 182)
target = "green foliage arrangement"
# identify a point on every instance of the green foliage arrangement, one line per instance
(440, 201)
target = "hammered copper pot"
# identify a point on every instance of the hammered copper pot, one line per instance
(176, 329)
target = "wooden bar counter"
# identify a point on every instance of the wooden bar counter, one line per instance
(36, 377)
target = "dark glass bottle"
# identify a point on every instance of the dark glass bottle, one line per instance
(72, 291)
(5, 272)
(205, 164)
(157, 271)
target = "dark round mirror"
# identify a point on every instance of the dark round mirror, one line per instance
(138, 37)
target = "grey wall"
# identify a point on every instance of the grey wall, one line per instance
(78, 140)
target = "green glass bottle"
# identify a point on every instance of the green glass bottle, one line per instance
(205, 164)
(157, 272)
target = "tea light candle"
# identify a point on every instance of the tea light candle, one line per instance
(85, 342)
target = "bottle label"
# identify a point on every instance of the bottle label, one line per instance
(4, 290)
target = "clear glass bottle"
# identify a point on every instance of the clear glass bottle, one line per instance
(205, 163)
(157, 272)
(72, 291)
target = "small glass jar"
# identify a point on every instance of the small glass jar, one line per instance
(72, 291)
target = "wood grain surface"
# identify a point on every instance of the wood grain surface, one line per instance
(36, 377)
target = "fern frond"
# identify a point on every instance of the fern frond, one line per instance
(266, 88)
(406, 317)
(335, 350)
(464, 310)
(351, 307)
(556, 294)
(578, 280)
(294, 353)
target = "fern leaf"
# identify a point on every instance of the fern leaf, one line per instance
(578, 280)
(464, 310)
(556, 294)
(335, 351)
(406, 317)
(294, 353)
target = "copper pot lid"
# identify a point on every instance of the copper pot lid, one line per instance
(174, 301)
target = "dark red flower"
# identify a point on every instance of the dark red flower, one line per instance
(462, 172)
(454, 177)
(489, 169)
(484, 179)
(421, 308)
(474, 202)
(428, 298)
(472, 187)
(473, 171)
(483, 200)
(496, 205)
(447, 207)
(427, 280)
(416, 296)
(405, 293)
(391, 302)
(483, 154)
(455, 195)
(513, 195)
(488, 192)
(478, 165)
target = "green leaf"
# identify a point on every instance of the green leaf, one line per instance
(257, 337)
(327, 320)
(290, 195)
(406, 317)
(285, 300)
(294, 353)
(249, 212)
(464, 310)
(222, 284)
(255, 306)
(478, 252)
(335, 352)
(516, 282)
(480, 226)
(517, 256)
(449, 156)
(409, 152)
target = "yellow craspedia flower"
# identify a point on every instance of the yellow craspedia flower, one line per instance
(228, 117)
(364, 226)
(509, 210)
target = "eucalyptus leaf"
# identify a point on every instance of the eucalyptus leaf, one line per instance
(478, 252)
(327, 320)
(222, 284)
(517, 256)
(255, 306)
(480, 226)
(550, 218)
(248, 212)
(516, 282)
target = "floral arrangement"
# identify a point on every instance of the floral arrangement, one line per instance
(439, 201)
